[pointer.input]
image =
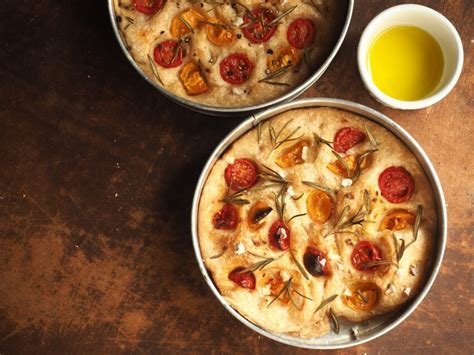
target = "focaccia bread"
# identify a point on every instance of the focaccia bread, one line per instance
(316, 214)
(229, 53)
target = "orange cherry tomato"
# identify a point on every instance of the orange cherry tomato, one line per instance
(364, 296)
(257, 213)
(292, 156)
(219, 34)
(282, 58)
(397, 220)
(319, 206)
(193, 79)
(337, 168)
(179, 24)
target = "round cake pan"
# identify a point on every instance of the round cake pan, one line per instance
(374, 327)
(235, 111)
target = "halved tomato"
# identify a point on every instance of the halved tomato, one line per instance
(279, 236)
(364, 254)
(364, 296)
(258, 26)
(242, 278)
(242, 174)
(397, 220)
(236, 68)
(346, 138)
(351, 161)
(315, 262)
(396, 184)
(319, 206)
(193, 80)
(148, 7)
(168, 54)
(226, 218)
(257, 213)
(186, 22)
(218, 33)
(300, 33)
(293, 155)
(283, 57)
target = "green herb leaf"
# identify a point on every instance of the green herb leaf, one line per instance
(236, 198)
(317, 186)
(368, 205)
(326, 302)
(186, 23)
(300, 267)
(335, 321)
(372, 140)
(419, 217)
(283, 289)
(154, 70)
(296, 216)
(362, 296)
(220, 254)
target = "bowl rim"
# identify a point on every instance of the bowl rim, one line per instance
(367, 113)
(234, 111)
(416, 104)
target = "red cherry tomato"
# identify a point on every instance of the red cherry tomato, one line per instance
(168, 54)
(148, 7)
(243, 279)
(226, 218)
(316, 262)
(365, 253)
(236, 68)
(300, 33)
(242, 174)
(346, 138)
(396, 184)
(256, 27)
(279, 236)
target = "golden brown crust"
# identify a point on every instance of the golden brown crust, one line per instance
(144, 33)
(397, 285)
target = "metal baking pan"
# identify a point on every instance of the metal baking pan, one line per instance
(374, 327)
(235, 111)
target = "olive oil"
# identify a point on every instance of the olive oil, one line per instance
(406, 63)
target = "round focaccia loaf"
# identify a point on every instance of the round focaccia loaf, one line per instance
(143, 32)
(287, 293)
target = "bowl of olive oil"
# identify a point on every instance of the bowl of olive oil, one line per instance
(410, 57)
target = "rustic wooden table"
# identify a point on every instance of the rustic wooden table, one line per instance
(97, 173)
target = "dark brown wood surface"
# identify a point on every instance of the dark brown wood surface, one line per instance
(97, 174)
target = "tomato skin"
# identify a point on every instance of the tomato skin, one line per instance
(242, 174)
(227, 218)
(236, 68)
(168, 55)
(396, 184)
(365, 252)
(256, 33)
(300, 33)
(312, 261)
(243, 279)
(370, 296)
(346, 138)
(279, 236)
(218, 35)
(148, 7)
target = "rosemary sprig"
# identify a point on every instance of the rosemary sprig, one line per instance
(301, 295)
(356, 219)
(276, 83)
(419, 217)
(325, 302)
(296, 216)
(315, 185)
(279, 17)
(280, 204)
(186, 23)
(276, 73)
(154, 70)
(400, 250)
(298, 197)
(359, 162)
(258, 266)
(335, 321)
(270, 175)
(372, 139)
(274, 137)
(362, 296)
(215, 24)
(236, 198)
(283, 289)
(378, 263)
(259, 132)
(130, 20)
(220, 254)
(342, 162)
(368, 205)
(318, 140)
(300, 267)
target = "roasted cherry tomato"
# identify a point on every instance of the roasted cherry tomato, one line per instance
(319, 206)
(292, 155)
(242, 174)
(226, 218)
(365, 253)
(236, 68)
(258, 26)
(218, 33)
(364, 296)
(148, 7)
(316, 262)
(186, 22)
(337, 168)
(242, 278)
(257, 213)
(168, 54)
(346, 138)
(279, 235)
(282, 58)
(193, 80)
(300, 33)
(398, 220)
(396, 184)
